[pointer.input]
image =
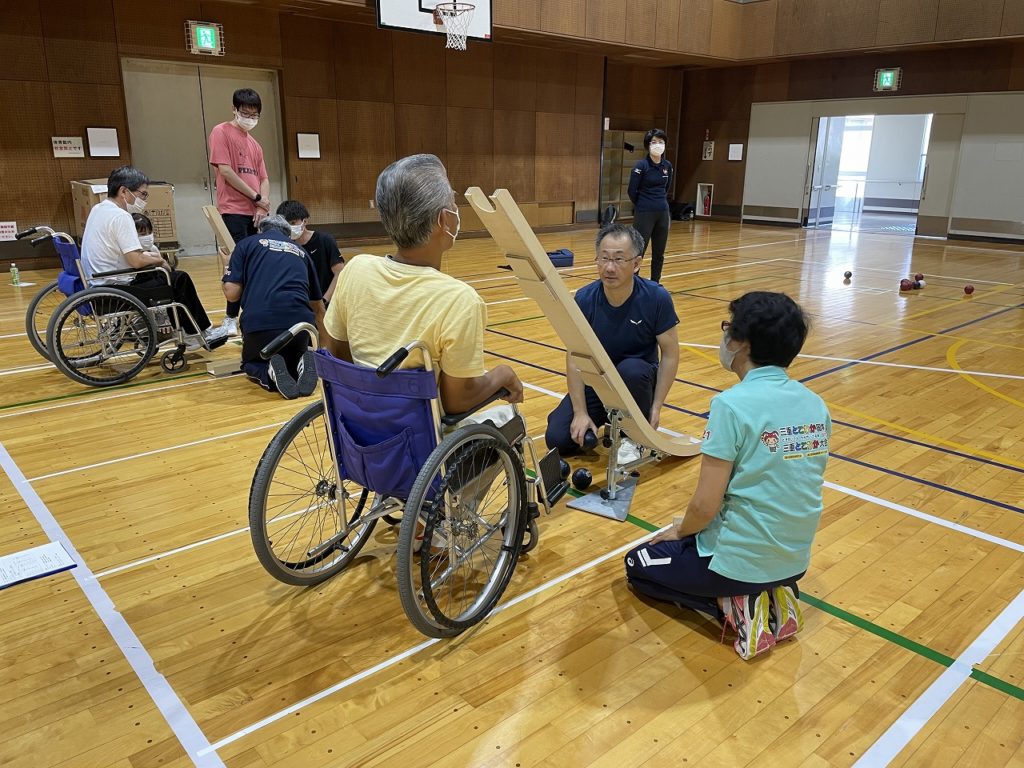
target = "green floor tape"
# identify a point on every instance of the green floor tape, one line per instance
(55, 398)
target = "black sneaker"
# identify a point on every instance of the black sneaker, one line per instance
(307, 378)
(286, 385)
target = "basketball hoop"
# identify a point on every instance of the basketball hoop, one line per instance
(455, 18)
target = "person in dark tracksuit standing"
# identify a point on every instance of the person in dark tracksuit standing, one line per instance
(648, 189)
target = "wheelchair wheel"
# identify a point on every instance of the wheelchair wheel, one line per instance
(101, 337)
(468, 507)
(304, 523)
(40, 310)
(173, 361)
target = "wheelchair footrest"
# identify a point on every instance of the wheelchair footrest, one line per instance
(220, 341)
(550, 468)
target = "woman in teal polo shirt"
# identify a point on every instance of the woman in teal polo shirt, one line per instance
(746, 536)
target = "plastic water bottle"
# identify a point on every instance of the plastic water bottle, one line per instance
(15, 275)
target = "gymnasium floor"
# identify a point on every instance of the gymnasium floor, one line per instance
(916, 576)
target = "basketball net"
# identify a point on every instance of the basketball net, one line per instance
(455, 18)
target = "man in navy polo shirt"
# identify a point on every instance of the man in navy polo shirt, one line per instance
(277, 284)
(635, 320)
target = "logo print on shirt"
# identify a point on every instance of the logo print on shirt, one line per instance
(770, 439)
(636, 322)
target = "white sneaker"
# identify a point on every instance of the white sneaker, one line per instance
(229, 326)
(628, 451)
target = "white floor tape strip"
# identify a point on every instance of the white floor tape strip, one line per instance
(185, 728)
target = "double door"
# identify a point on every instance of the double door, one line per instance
(172, 108)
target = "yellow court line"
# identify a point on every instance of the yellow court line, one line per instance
(953, 363)
(940, 308)
(926, 436)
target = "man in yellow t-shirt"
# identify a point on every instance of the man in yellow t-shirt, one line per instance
(381, 304)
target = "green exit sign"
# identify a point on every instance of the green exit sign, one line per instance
(205, 38)
(888, 79)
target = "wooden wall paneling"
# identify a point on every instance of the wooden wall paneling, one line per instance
(556, 80)
(589, 84)
(606, 20)
(252, 33)
(77, 106)
(515, 136)
(758, 30)
(906, 21)
(967, 19)
(726, 29)
(419, 64)
(799, 28)
(470, 138)
(363, 63)
(366, 135)
(21, 40)
(852, 24)
(307, 56)
(1016, 80)
(515, 77)
(81, 42)
(157, 30)
(771, 82)
(555, 151)
(641, 17)
(619, 80)
(420, 128)
(1013, 18)
(809, 26)
(586, 175)
(317, 183)
(26, 156)
(470, 77)
(695, 18)
(521, 14)
(666, 35)
(564, 17)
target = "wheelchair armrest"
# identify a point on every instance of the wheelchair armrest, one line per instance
(277, 344)
(131, 271)
(451, 419)
(26, 232)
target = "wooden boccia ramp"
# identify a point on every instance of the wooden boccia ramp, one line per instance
(540, 281)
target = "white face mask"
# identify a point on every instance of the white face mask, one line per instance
(657, 149)
(296, 231)
(246, 123)
(726, 355)
(147, 242)
(138, 205)
(458, 225)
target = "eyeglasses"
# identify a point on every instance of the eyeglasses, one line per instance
(726, 325)
(250, 115)
(143, 195)
(617, 260)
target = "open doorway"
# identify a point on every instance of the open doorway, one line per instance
(867, 172)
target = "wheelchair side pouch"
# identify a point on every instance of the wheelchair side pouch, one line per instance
(387, 467)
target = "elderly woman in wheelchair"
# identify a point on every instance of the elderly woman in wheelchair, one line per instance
(385, 441)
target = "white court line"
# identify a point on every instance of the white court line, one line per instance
(108, 462)
(13, 335)
(26, 369)
(886, 365)
(918, 714)
(181, 723)
(135, 392)
(900, 272)
(391, 661)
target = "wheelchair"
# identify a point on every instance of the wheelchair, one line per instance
(376, 446)
(102, 335)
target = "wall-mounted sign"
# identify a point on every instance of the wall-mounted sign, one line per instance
(309, 145)
(735, 151)
(204, 38)
(103, 142)
(709, 151)
(67, 146)
(8, 229)
(888, 79)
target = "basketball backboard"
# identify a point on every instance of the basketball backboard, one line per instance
(418, 16)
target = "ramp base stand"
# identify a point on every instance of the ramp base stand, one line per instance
(613, 509)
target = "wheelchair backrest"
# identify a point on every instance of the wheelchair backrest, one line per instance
(69, 280)
(384, 429)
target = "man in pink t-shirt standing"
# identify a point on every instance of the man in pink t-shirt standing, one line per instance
(243, 188)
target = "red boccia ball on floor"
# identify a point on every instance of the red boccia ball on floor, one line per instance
(905, 284)
(968, 289)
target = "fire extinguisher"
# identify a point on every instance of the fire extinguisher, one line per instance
(707, 203)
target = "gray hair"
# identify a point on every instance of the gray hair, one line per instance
(620, 231)
(280, 223)
(411, 192)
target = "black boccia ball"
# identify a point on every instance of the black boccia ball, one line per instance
(581, 479)
(564, 469)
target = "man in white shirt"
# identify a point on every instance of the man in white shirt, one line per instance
(111, 243)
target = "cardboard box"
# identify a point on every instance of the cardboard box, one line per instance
(159, 208)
